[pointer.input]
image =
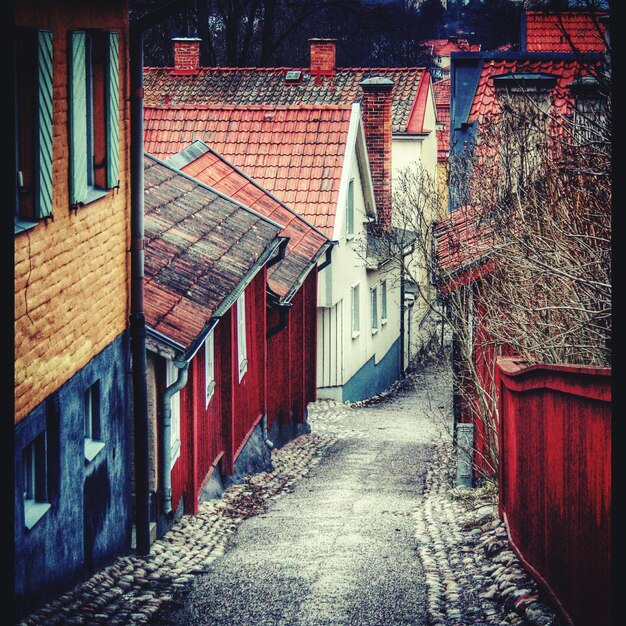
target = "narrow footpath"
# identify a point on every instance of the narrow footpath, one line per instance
(358, 524)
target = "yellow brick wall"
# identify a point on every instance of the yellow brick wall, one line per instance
(72, 275)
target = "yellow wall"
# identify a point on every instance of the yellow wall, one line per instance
(72, 275)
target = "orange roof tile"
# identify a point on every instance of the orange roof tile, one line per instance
(294, 152)
(485, 100)
(462, 244)
(256, 86)
(442, 102)
(306, 243)
(445, 47)
(566, 31)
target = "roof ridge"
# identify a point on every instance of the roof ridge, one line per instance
(248, 107)
(284, 68)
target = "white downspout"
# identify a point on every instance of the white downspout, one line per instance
(166, 411)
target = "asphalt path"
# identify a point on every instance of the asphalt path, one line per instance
(340, 549)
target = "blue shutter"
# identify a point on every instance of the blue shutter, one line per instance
(113, 112)
(78, 120)
(44, 139)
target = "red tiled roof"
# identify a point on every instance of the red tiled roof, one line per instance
(267, 86)
(305, 241)
(296, 152)
(442, 102)
(485, 100)
(462, 243)
(445, 47)
(199, 248)
(549, 32)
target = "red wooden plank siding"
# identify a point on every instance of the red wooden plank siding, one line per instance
(310, 345)
(249, 393)
(210, 435)
(278, 376)
(555, 481)
(296, 330)
(228, 348)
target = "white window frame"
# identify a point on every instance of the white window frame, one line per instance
(383, 302)
(242, 344)
(374, 309)
(171, 376)
(355, 308)
(350, 210)
(91, 421)
(34, 463)
(209, 368)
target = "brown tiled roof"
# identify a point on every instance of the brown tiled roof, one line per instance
(564, 32)
(254, 86)
(201, 248)
(445, 47)
(296, 153)
(462, 244)
(306, 243)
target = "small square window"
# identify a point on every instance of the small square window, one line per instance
(350, 209)
(356, 313)
(374, 307)
(383, 302)
(242, 350)
(171, 376)
(93, 435)
(35, 478)
(209, 368)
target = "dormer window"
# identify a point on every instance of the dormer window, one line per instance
(293, 76)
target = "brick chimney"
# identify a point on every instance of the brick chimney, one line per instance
(376, 111)
(323, 57)
(186, 55)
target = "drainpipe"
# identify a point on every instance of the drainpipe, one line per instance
(166, 412)
(402, 311)
(327, 260)
(283, 310)
(137, 318)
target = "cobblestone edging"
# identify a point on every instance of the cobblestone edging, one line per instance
(133, 588)
(472, 575)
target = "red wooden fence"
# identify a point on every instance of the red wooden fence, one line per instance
(555, 481)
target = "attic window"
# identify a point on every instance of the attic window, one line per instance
(521, 82)
(293, 76)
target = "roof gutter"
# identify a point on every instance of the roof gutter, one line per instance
(182, 361)
(137, 312)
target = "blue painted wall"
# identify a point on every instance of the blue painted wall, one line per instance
(90, 518)
(371, 379)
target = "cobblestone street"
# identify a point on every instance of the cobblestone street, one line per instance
(462, 570)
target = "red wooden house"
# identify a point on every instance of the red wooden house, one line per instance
(464, 238)
(207, 258)
(292, 291)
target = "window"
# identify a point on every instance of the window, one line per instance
(93, 435)
(350, 209)
(374, 300)
(383, 302)
(35, 480)
(94, 115)
(242, 352)
(171, 376)
(209, 368)
(33, 107)
(356, 320)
